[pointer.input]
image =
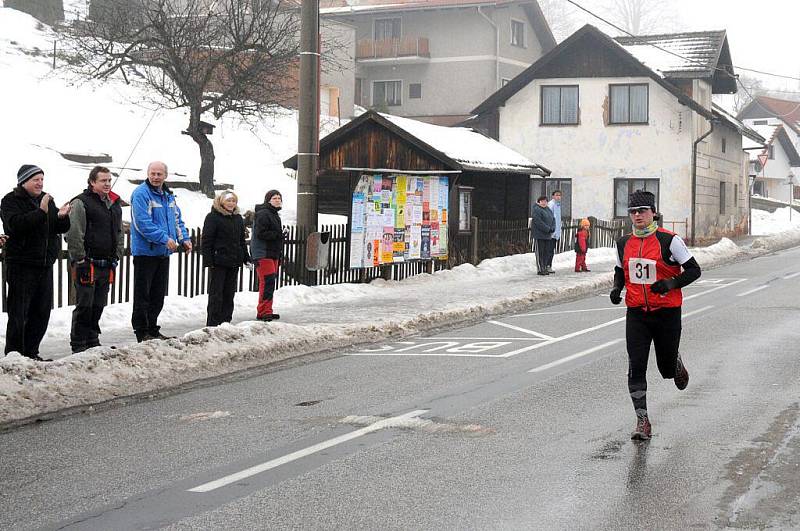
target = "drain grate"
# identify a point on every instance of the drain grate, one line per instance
(309, 403)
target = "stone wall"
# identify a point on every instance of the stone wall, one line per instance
(48, 11)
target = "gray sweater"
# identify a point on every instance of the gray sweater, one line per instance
(543, 222)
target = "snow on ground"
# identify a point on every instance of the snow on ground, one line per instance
(778, 221)
(313, 319)
(47, 112)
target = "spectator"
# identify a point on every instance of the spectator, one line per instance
(33, 224)
(266, 249)
(95, 243)
(157, 231)
(555, 207)
(543, 224)
(582, 246)
(224, 252)
(3, 239)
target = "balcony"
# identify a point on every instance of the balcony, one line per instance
(403, 50)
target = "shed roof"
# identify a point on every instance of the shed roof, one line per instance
(459, 148)
(786, 110)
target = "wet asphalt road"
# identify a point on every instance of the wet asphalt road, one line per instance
(488, 444)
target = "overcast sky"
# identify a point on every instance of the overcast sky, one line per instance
(763, 35)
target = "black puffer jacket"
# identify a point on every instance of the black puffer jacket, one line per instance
(33, 236)
(223, 240)
(267, 241)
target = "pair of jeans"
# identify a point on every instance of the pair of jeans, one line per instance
(267, 270)
(91, 294)
(150, 284)
(221, 289)
(30, 298)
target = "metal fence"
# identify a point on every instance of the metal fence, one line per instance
(487, 239)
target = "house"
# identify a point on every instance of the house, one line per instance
(48, 11)
(434, 60)
(775, 167)
(610, 116)
(455, 174)
(777, 120)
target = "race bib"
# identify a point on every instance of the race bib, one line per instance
(641, 271)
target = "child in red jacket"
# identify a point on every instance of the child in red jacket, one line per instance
(582, 246)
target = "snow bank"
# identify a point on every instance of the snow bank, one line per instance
(29, 389)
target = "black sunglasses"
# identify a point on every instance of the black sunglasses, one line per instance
(638, 210)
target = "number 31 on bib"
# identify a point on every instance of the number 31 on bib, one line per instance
(641, 271)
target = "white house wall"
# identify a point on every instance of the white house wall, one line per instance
(593, 154)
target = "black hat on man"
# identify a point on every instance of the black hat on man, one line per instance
(28, 171)
(640, 198)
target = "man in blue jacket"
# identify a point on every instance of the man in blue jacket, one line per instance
(156, 232)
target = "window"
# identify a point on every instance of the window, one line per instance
(760, 122)
(546, 187)
(722, 198)
(414, 91)
(723, 145)
(624, 187)
(359, 91)
(771, 152)
(560, 105)
(387, 93)
(387, 29)
(629, 104)
(465, 208)
(518, 33)
(760, 188)
(736, 195)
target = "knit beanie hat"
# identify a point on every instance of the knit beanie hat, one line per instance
(27, 171)
(640, 198)
(270, 194)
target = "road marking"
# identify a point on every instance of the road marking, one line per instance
(704, 308)
(518, 329)
(714, 289)
(486, 338)
(598, 347)
(263, 467)
(568, 311)
(787, 277)
(575, 356)
(748, 292)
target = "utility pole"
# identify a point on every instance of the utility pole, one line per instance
(308, 137)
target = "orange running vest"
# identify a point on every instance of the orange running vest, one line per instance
(644, 261)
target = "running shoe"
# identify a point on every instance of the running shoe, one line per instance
(643, 429)
(681, 375)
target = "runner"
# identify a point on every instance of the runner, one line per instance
(649, 264)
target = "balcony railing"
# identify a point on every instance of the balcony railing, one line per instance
(392, 48)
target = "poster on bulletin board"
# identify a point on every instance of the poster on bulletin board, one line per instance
(398, 218)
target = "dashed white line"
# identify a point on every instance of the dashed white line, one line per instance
(263, 467)
(575, 356)
(792, 275)
(748, 292)
(519, 329)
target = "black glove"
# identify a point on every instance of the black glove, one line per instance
(615, 295)
(661, 287)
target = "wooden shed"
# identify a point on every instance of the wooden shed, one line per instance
(484, 179)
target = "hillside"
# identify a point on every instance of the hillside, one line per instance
(47, 112)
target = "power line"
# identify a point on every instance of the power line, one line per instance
(595, 15)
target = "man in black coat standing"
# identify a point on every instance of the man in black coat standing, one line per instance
(543, 225)
(33, 224)
(95, 242)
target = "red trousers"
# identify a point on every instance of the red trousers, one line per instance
(580, 262)
(267, 271)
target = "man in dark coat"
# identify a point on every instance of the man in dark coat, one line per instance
(33, 224)
(224, 251)
(543, 223)
(95, 243)
(266, 249)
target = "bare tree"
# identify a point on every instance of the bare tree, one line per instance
(561, 18)
(209, 56)
(749, 87)
(642, 17)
